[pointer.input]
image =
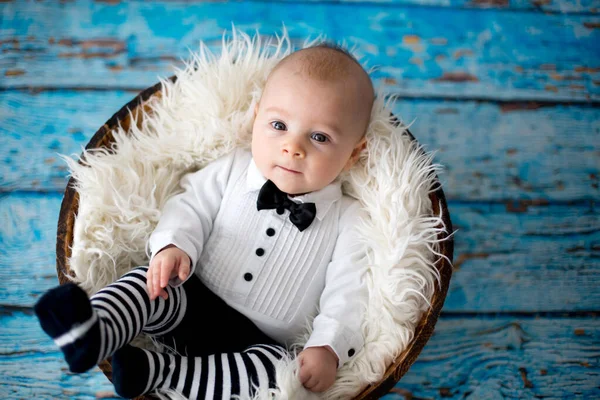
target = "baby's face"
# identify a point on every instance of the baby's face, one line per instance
(306, 131)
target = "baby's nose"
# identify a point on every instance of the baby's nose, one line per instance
(294, 150)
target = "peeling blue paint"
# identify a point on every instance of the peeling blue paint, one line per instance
(522, 180)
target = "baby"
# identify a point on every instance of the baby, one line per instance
(256, 245)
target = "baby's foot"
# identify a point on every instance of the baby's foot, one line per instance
(66, 315)
(131, 373)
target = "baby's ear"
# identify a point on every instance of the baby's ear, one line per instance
(360, 146)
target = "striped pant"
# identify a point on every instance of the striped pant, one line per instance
(219, 376)
(223, 354)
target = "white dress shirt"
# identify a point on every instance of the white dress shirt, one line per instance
(261, 264)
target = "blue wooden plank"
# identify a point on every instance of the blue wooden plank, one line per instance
(44, 377)
(27, 247)
(37, 128)
(489, 151)
(501, 357)
(546, 6)
(458, 53)
(32, 366)
(496, 357)
(522, 257)
(506, 261)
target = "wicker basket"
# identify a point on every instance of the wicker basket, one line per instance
(424, 330)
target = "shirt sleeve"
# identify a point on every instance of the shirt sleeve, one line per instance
(343, 301)
(187, 218)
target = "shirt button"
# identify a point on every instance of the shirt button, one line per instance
(260, 252)
(248, 276)
(351, 352)
(279, 210)
(270, 232)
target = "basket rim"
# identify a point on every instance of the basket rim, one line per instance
(104, 138)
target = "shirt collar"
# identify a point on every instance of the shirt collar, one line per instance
(323, 198)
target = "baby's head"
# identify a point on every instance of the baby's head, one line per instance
(311, 119)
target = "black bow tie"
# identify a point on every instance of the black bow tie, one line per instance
(301, 215)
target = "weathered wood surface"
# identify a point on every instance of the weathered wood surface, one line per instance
(526, 258)
(458, 53)
(513, 151)
(32, 367)
(546, 6)
(506, 92)
(495, 357)
(503, 357)
(63, 123)
(507, 259)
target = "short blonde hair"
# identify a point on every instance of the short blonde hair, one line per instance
(325, 61)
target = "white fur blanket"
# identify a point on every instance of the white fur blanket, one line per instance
(206, 113)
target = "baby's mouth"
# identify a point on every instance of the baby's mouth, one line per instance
(289, 170)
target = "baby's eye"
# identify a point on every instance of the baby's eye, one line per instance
(278, 125)
(319, 137)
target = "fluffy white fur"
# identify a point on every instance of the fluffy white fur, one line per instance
(207, 112)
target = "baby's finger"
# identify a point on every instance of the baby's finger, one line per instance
(149, 282)
(164, 294)
(304, 375)
(184, 269)
(165, 272)
(319, 387)
(156, 279)
(312, 383)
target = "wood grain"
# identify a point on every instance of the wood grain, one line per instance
(536, 258)
(501, 357)
(506, 92)
(451, 53)
(505, 261)
(32, 366)
(495, 357)
(34, 141)
(513, 151)
(542, 6)
(545, 6)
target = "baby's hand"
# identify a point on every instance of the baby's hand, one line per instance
(318, 367)
(168, 263)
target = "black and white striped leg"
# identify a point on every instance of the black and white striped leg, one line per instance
(89, 330)
(216, 377)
